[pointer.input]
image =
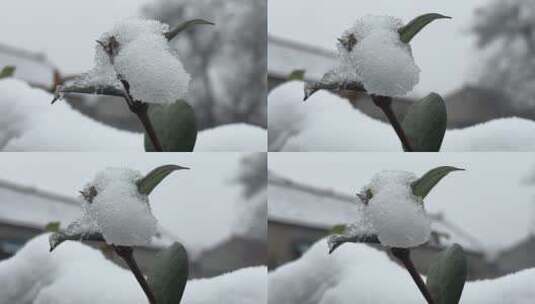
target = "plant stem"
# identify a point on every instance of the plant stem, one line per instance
(404, 256)
(385, 104)
(127, 254)
(141, 110)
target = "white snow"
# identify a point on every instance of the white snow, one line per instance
(397, 215)
(232, 137)
(379, 60)
(30, 123)
(76, 273)
(144, 59)
(357, 273)
(121, 213)
(327, 122)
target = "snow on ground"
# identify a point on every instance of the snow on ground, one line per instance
(76, 273)
(371, 52)
(326, 122)
(357, 273)
(29, 123)
(232, 137)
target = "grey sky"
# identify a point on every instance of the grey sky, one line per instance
(65, 30)
(445, 51)
(488, 200)
(195, 205)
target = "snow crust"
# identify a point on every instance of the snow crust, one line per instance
(232, 137)
(356, 273)
(327, 122)
(29, 123)
(379, 60)
(120, 212)
(76, 273)
(145, 60)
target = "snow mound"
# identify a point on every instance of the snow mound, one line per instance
(327, 122)
(121, 213)
(397, 215)
(30, 123)
(76, 273)
(232, 137)
(356, 273)
(144, 59)
(372, 53)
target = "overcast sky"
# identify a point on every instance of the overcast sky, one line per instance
(196, 205)
(444, 51)
(64, 30)
(488, 200)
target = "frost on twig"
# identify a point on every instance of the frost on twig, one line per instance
(137, 52)
(374, 56)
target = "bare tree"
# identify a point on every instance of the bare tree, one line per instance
(227, 62)
(507, 29)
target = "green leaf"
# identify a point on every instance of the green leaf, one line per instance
(155, 177)
(338, 229)
(425, 123)
(175, 125)
(168, 275)
(447, 275)
(416, 25)
(297, 75)
(184, 26)
(425, 184)
(52, 227)
(7, 71)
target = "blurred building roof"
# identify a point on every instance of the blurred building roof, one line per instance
(31, 67)
(286, 56)
(29, 207)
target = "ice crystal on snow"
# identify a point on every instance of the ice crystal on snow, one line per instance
(144, 59)
(395, 212)
(372, 53)
(120, 212)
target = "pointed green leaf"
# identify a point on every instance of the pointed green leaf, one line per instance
(168, 275)
(425, 123)
(184, 26)
(7, 71)
(416, 25)
(297, 75)
(155, 177)
(447, 275)
(175, 125)
(425, 184)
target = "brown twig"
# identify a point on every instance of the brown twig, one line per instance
(403, 255)
(385, 104)
(127, 254)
